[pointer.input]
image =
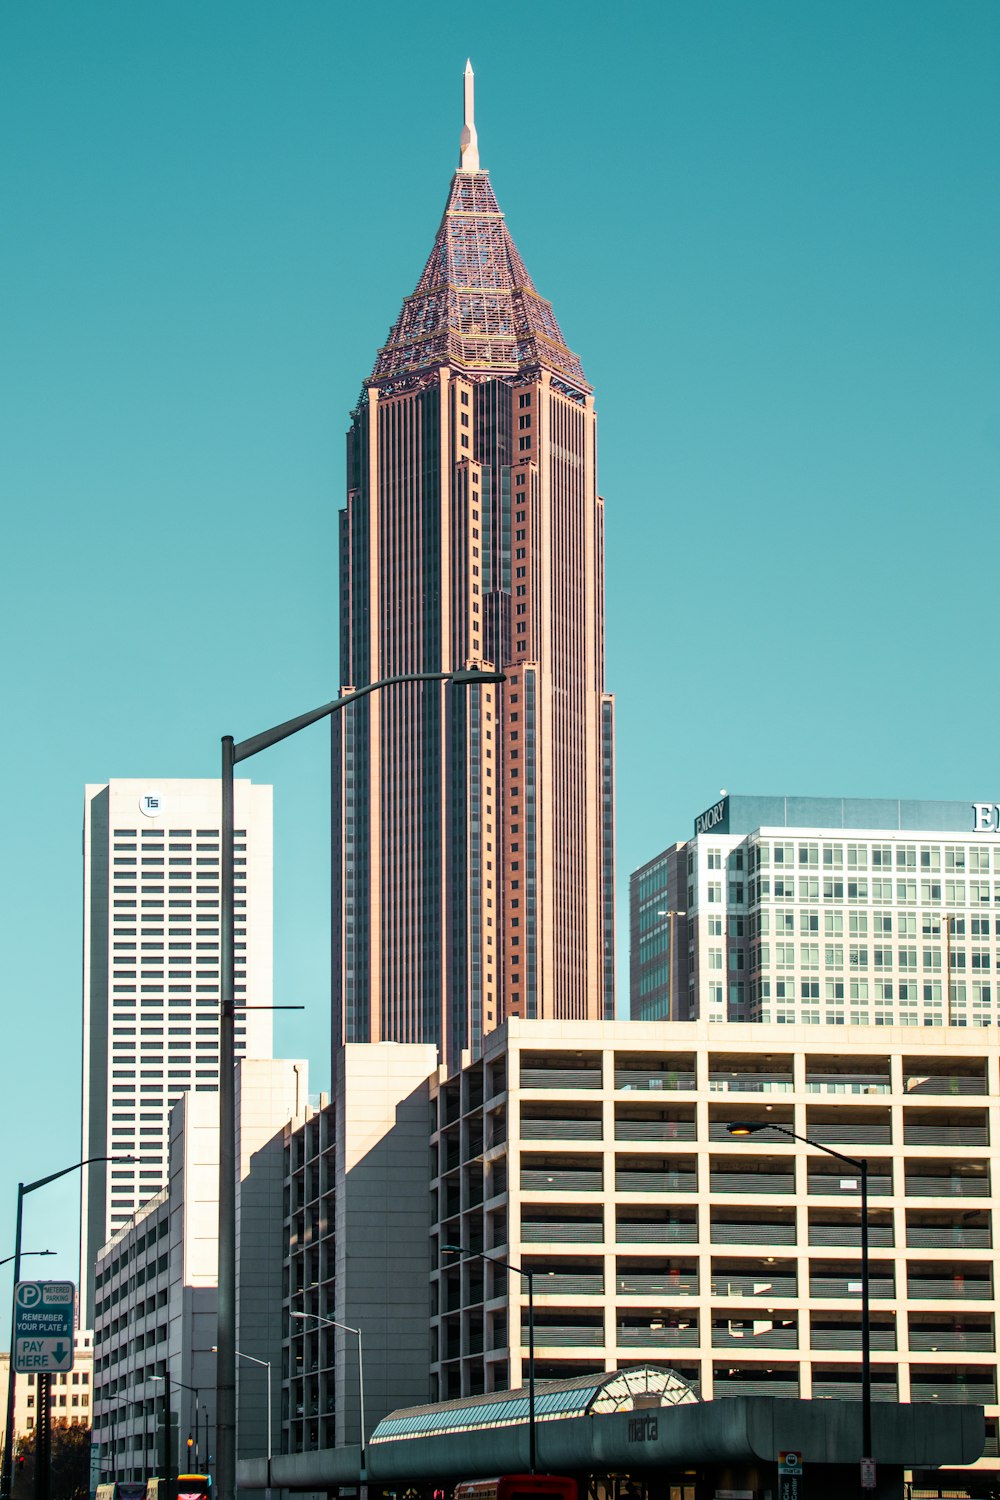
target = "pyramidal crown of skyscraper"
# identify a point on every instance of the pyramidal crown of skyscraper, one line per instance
(475, 305)
(473, 842)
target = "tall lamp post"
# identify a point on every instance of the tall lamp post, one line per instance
(332, 1323)
(745, 1127)
(23, 1189)
(265, 1364)
(529, 1276)
(196, 1392)
(169, 1468)
(232, 754)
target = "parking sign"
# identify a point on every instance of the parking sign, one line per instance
(44, 1314)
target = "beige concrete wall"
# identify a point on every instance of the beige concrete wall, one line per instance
(382, 1223)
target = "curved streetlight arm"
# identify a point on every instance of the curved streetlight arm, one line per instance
(265, 1364)
(23, 1189)
(737, 1127)
(8, 1258)
(462, 677)
(232, 754)
(332, 1323)
(181, 1383)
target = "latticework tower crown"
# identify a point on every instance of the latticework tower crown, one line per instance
(475, 305)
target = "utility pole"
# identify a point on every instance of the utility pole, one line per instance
(43, 1438)
(167, 1465)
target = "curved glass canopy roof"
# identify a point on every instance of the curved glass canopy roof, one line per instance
(644, 1387)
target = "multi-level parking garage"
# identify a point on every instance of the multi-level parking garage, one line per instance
(598, 1159)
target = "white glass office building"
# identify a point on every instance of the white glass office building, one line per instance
(151, 975)
(823, 910)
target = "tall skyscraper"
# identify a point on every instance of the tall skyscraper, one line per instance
(151, 976)
(473, 829)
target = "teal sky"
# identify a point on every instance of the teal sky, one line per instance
(772, 232)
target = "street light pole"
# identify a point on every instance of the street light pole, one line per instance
(196, 1392)
(23, 1189)
(671, 917)
(866, 1326)
(266, 1364)
(332, 1322)
(167, 1464)
(529, 1276)
(743, 1127)
(232, 754)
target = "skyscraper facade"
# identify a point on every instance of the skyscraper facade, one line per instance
(823, 911)
(473, 828)
(151, 976)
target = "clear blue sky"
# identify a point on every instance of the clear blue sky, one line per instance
(770, 230)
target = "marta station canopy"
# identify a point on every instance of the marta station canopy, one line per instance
(625, 1421)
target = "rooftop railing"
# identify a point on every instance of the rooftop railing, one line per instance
(568, 1284)
(945, 1135)
(631, 1080)
(560, 1180)
(830, 1184)
(949, 1289)
(635, 1232)
(654, 1130)
(634, 1181)
(849, 1235)
(850, 1390)
(753, 1286)
(750, 1083)
(656, 1284)
(565, 1336)
(560, 1078)
(733, 1386)
(948, 1237)
(653, 1337)
(850, 1338)
(770, 1338)
(725, 1233)
(752, 1182)
(857, 1085)
(952, 1340)
(561, 1130)
(880, 1287)
(944, 1083)
(853, 1132)
(972, 1392)
(947, 1187)
(568, 1232)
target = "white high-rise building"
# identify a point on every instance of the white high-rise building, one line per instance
(823, 910)
(151, 976)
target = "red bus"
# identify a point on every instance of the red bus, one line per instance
(193, 1487)
(519, 1487)
(185, 1487)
